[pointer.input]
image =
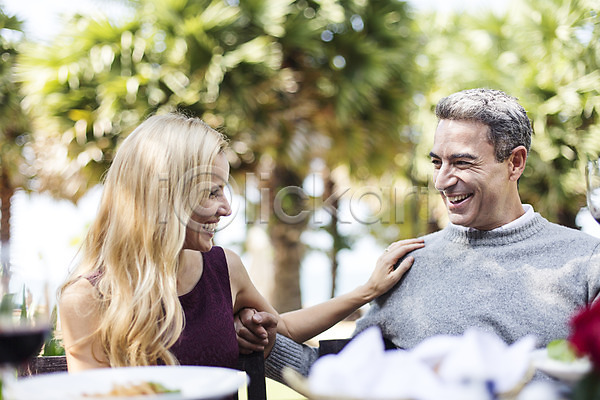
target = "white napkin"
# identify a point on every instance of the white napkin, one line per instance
(483, 356)
(476, 365)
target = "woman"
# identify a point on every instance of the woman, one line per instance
(150, 288)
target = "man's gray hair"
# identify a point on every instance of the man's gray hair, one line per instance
(509, 126)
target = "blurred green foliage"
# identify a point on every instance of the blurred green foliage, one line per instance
(14, 122)
(342, 88)
(289, 82)
(53, 344)
(14, 129)
(546, 53)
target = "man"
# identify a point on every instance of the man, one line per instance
(498, 265)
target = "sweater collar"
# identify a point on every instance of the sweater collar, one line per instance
(521, 221)
(520, 229)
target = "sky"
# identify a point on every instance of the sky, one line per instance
(46, 231)
(42, 18)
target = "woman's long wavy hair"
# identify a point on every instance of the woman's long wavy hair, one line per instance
(160, 174)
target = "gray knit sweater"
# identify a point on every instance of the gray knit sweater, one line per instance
(514, 282)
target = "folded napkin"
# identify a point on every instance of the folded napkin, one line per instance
(477, 365)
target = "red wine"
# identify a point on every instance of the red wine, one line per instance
(16, 346)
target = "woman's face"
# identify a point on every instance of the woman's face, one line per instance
(203, 224)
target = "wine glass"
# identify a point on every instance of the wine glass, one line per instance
(592, 174)
(24, 320)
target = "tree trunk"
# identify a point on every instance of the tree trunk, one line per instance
(6, 193)
(288, 219)
(328, 193)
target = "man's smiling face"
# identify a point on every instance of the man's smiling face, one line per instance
(476, 188)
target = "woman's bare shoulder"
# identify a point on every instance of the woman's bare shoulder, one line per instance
(79, 295)
(233, 259)
(235, 265)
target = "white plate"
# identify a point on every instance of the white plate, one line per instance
(193, 383)
(564, 371)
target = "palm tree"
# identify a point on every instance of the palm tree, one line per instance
(288, 81)
(14, 127)
(345, 98)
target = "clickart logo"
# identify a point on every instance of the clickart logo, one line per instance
(260, 203)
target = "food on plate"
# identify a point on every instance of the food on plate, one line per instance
(138, 389)
(561, 350)
(560, 361)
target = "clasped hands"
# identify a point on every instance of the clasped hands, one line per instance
(257, 330)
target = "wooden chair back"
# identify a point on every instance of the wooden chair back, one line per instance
(42, 365)
(331, 346)
(254, 365)
(334, 346)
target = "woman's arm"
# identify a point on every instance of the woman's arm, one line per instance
(306, 323)
(78, 306)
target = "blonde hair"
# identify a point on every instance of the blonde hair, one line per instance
(160, 173)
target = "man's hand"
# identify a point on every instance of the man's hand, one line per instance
(255, 330)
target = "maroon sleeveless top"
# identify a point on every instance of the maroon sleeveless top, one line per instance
(208, 337)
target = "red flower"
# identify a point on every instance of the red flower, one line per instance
(585, 333)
